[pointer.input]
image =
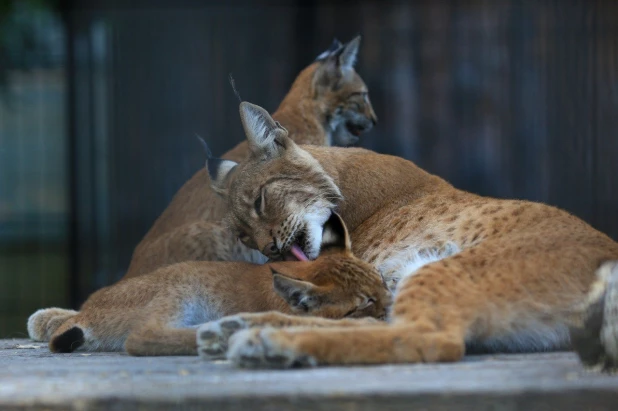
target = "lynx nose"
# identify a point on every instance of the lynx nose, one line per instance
(270, 250)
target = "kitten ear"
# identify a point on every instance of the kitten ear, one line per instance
(335, 235)
(297, 293)
(265, 136)
(218, 170)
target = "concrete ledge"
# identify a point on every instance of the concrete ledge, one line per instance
(33, 378)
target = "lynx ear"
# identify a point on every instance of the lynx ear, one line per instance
(336, 65)
(297, 293)
(335, 235)
(334, 47)
(265, 136)
(218, 170)
(347, 58)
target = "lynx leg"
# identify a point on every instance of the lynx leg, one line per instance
(377, 344)
(596, 339)
(213, 337)
(420, 337)
(43, 323)
(510, 294)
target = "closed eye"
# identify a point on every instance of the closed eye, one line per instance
(258, 204)
(349, 313)
(368, 303)
(359, 93)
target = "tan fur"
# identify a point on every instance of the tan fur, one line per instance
(500, 274)
(158, 314)
(326, 100)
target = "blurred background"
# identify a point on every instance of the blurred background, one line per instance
(100, 102)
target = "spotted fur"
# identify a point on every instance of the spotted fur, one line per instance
(472, 271)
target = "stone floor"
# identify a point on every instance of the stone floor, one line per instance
(32, 378)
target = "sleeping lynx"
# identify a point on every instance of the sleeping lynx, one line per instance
(157, 314)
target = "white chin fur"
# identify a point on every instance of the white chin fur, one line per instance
(314, 223)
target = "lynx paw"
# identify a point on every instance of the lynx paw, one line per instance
(213, 337)
(596, 341)
(44, 322)
(266, 348)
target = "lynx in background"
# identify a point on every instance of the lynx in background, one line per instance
(158, 314)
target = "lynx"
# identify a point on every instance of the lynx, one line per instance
(468, 272)
(328, 103)
(157, 314)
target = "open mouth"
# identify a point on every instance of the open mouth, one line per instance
(296, 252)
(354, 129)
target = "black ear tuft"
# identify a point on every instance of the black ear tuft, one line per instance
(233, 84)
(334, 48)
(335, 234)
(204, 146)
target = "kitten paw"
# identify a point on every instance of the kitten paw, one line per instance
(213, 337)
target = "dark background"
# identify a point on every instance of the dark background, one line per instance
(100, 101)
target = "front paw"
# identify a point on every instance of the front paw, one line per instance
(213, 337)
(266, 348)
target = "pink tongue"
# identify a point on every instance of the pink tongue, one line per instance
(298, 253)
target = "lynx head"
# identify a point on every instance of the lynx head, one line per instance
(336, 284)
(280, 197)
(338, 94)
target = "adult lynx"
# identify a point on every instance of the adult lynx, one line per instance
(466, 270)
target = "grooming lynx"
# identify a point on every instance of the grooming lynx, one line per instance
(327, 104)
(467, 271)
(157, 314)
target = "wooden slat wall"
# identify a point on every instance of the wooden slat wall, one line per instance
(504, 98)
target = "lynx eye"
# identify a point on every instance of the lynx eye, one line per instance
(258, 204)
(349, 313)
(355, 106)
